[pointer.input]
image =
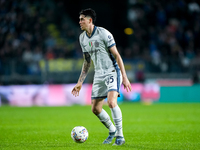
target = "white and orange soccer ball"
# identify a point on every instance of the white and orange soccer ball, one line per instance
(79, 134)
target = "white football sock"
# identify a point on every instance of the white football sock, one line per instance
(117, 118)
(105, 119)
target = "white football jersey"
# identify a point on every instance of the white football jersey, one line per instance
(98, 48)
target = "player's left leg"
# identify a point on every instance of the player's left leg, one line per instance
(117, 116)
(103, 116)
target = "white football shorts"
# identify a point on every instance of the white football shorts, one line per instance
(105, 83)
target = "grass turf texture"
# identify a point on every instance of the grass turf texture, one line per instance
(156, 127)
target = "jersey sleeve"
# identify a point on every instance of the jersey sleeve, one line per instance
(108, 38)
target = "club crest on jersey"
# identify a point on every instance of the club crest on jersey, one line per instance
(95, 43)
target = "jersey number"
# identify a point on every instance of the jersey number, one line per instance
(110, 80)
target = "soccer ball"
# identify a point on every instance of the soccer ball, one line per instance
(79, 134)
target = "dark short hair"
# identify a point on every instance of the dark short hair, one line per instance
(89, 12)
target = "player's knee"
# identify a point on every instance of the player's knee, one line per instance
(95, 111)
(112, 104)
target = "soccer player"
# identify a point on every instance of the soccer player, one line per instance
(98, 45)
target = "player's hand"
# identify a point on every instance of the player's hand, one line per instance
(76, 89)
(127, 84)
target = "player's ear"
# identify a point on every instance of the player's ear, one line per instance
(90, 20)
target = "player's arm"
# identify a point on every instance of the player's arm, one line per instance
(85, 67)
(84, 72)
(118, 58)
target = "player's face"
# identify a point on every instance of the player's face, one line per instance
(84, 22)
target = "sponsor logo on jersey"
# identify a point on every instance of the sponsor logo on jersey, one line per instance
(94, 51)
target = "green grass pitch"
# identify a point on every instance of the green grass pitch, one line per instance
(155, 127)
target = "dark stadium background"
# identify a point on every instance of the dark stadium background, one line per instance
(110, 14)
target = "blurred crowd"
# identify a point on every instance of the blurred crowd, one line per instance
(166, 34)
(31, 30)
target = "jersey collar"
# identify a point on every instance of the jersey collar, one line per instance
(92, 32)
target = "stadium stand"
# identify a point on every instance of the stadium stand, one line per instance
(166, 39)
